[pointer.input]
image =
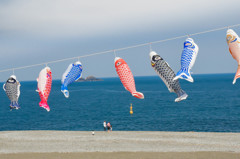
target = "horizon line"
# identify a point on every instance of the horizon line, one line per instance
(134, 76)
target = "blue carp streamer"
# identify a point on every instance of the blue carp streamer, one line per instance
(73, 73)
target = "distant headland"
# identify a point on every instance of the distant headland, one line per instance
(89, 78)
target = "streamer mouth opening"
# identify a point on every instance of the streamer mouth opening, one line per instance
(116, 58)
(13, 76)
(189, 39)
(231, 32)
(77, 63)
(152, 53)
(47, 68)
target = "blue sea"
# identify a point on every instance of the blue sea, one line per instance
(213, 105)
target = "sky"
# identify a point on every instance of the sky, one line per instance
(33, 31)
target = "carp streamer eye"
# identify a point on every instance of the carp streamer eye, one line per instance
(188, 44)
(229, 37)
(11, 80)
(118, 63)
(157, 58)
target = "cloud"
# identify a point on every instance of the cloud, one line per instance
(72, 18)
(34, 31)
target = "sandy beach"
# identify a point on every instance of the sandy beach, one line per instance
(118, 144)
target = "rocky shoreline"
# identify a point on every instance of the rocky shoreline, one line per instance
(89, 78)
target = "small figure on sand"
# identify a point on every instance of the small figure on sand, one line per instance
(104, 125)
(109, 126)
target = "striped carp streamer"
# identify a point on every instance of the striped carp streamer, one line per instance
(126, 77)
(165, 72)
(44, 87)
(73, 73)
(12, 89)
(233, 42)
(189, 55)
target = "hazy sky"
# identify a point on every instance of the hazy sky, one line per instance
(33, 31)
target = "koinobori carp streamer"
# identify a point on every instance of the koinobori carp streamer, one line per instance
(73, 73)
(126, 77)
(44, 87)
(165, 72)
(234, 49)
(189, 55)
(12, 89)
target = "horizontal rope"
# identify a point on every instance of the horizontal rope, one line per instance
(119, 49)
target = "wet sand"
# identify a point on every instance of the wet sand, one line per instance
(118, 144)
(124, 155)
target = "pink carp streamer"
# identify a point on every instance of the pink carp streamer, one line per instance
(126, 77)
(234, 49)
(44, 87)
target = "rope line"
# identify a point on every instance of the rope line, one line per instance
(120, 49)
(115, 53)
(150, 47)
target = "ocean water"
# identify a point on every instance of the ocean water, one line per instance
(213, 105)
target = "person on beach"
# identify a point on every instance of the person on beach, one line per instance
(104, 125)
(108, 126)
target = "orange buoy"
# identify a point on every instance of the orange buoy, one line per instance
(131, 111)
